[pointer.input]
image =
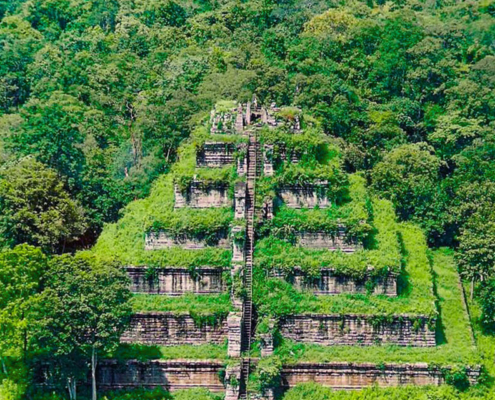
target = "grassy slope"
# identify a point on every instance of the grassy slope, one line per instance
(191, 352)
(311, 391)
(454, 347)
(199, 304)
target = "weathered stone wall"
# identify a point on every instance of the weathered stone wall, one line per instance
(215, 154)
(184, 374)
(352, 330)
(328, 283)
(234, 322)
(160, 240)
(344, 375)
(176, 281)
(169, 329)
(199, 195)
(171, 375)
(322, 240)
(240, 200)
(303, 197)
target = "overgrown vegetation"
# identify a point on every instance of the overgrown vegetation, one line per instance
(193, 352)
(98, 99)
(204, 309)
(454, 343)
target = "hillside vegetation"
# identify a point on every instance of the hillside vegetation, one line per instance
(103, 107)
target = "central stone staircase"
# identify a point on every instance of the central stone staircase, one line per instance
(247, 315)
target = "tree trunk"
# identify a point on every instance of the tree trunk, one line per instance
(4, 367)
(472, 288)
(93, 374)
(71, 386)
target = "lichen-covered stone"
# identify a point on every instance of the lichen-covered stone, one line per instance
(357, 330)
(171, 375)
(169, 329)
(329, 283)
(176, 281)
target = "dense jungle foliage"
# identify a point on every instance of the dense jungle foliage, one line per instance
(99, 98)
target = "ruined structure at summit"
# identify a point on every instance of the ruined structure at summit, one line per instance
(259, 244)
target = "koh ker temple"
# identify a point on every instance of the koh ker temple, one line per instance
(258, 263)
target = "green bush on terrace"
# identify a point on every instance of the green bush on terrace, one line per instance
(313, 391)
(276, 297)
(185, 169)
(124, 240)
(162, 394)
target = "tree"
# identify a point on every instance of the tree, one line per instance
(35, 207)
(21, 276)
(53, 131)
(409, 176)
(87, 311)
(487, 300)
(476, 253)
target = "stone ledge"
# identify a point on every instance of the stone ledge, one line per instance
(330, 283)
(172, 329)
(304, 196)
(354, 329)
(200, 195)
(171, 375)
(184, 373)
(176, 281)
(323, 240)
(216, 154)
(160, 240)
(346, 375)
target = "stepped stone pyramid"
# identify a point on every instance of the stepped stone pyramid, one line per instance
(259, 221)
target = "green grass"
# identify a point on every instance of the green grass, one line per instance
(352, 212)
(454, 345)
(320, 159)
(313, 391)
(185, 304)
(188, 352)
(485, 341)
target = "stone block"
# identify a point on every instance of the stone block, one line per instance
(171, 375)
(346, 375)
(161, 240)
(216, 154)
(176, 281)
(304, 196)
(199, 195)
(356, 330)
(268, 160)
(240, 200)
(329, 283)
(234, 323)
(170, 329)
(323, 240)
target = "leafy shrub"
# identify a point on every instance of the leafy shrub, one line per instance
(268, 372)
